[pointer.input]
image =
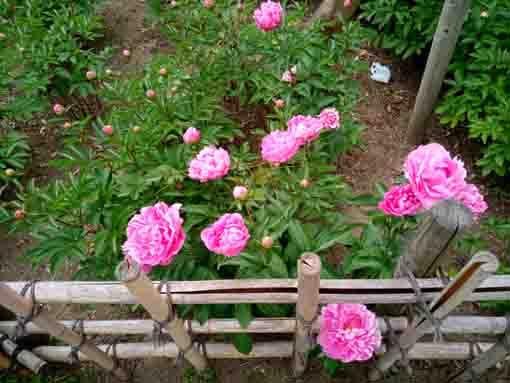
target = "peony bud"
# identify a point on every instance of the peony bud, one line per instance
(267, 242)
(279, 104)
(179, 186)
(173, 4)
(484, 14)
(2, 36)
(9, 172)
(19, 214)
(126, 53)
(163, 72)
(91, 75)
(304, 183)
(67, 125)
(136, 129)
(347, 3)
(58, 109)
(208, 3)
(151, 93)
(293, 70)
(108, 72)
(191, 135)
(240, 192)
(108, 130)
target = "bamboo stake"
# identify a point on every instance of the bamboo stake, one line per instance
(427, 250)
(24, 357)
(420, 351)
(22, 306)
(368, 291)
(143, 290)
(309, 270)
(484, 361)
(465, 324)
(443, 45)
(471, 276)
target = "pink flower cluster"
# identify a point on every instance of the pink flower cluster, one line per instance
(154, 236)
(280, 146)
(433, 176)
(348, 332)
(268, 16)
(227, 236)
(210, 163)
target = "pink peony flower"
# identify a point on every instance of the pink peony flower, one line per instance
(268, 16)
(330, 118)
(304, 128)
(58, 109)
(154, 236)
(210, 164)
(470, 196)
(278, 147)
(399, 201)
(240, 192)
(227, 236)
(433, 174)
(191, 135)
(208, 3)
(287, 76)
(348, 332)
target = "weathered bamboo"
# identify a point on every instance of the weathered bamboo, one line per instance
(470, 277)
(464, 325)
(22, 306)
(427, 250)
(147, 295)
(388, 291)
(484, 361)
(24, 357)
(443, 45)
(309, 270)
(420, 351)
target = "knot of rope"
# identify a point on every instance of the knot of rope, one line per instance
(35, 310)
(157, 331)
(78, 327)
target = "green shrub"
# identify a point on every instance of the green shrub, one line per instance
(478, 87)
(47, 49)
(14, 155)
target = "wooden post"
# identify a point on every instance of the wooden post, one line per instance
(309, 269)
(24, 357)
(443, 45)
(428, 248)
(22, 306)
(469, 278)
(147, 295)
(483, 362)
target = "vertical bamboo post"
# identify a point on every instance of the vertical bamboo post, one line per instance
(22, 306)
(143, 290)
(443, 45)
(483, 362)
(426, 251)
(481, 266)
(309, 269)
(24, 357)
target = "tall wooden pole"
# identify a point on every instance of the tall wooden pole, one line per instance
(309, 270)
(22, 306)
(443, 45)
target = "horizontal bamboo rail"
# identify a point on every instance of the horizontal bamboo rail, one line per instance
(420, 351)
(490, 326)
(368, 291)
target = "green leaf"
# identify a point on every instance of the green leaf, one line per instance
(242, 343)
(243, 314)
(277, 267)
(298, 236)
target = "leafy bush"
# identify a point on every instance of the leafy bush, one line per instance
(47, 48)
(14, 155)
(478, 87)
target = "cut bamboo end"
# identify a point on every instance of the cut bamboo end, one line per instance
(490, 263)
(310, 264)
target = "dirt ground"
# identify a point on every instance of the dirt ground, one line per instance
(384, 109)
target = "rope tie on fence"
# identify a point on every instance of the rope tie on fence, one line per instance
(506, 336)
(445, 279)
(116, 365)
(393, 341)
(421, 305)
(157, 331)
(196, 339)
(78, 327)
(35, 310)
(308, 326)
(474, 350)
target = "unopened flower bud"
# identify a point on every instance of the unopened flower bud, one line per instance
(267, 242)
(151, 93)
(240, 192)
(108, 130)
(126, 53)
(19, 214)
(91, 75)
(304, 183)
(136, 129)
(67, 125)
(163, 72)
(9, 172)
(58, 109)
(279, 104)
